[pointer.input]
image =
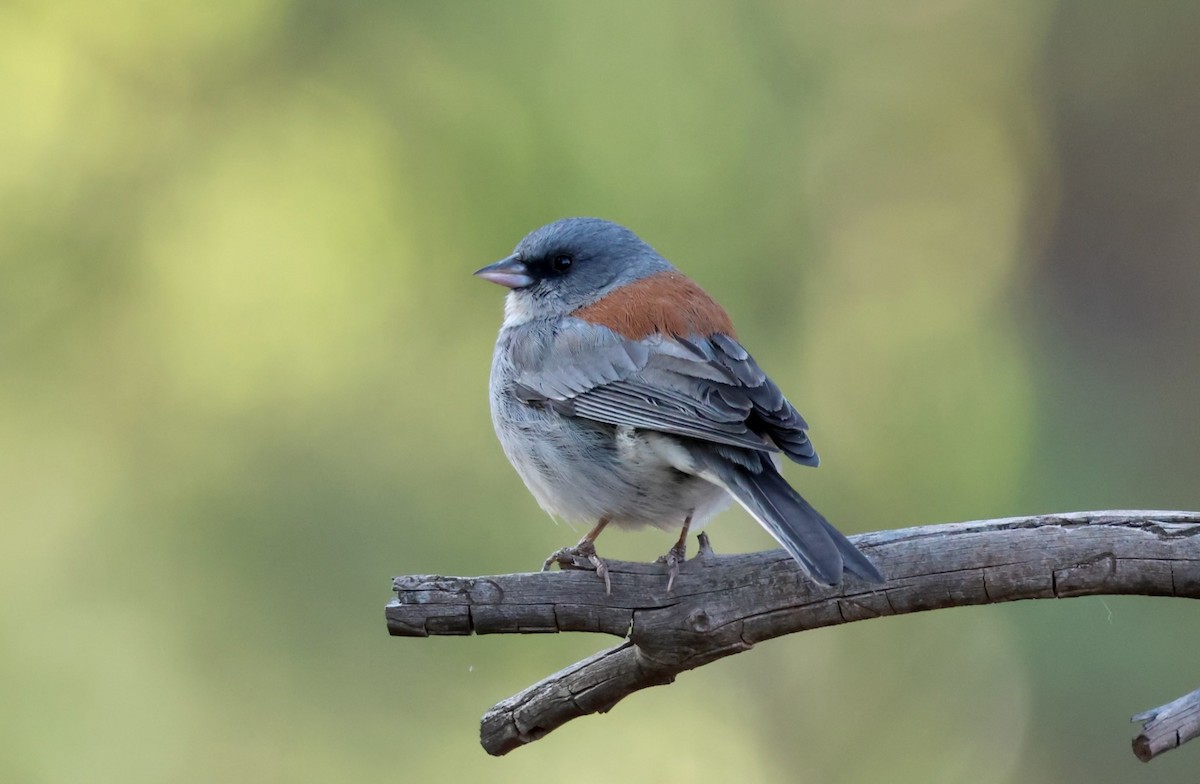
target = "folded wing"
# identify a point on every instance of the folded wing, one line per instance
(703, 387)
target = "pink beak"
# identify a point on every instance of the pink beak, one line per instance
(510, 272)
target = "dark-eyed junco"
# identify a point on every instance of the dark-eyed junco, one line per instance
(621, 396)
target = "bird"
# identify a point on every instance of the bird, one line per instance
(622, 396)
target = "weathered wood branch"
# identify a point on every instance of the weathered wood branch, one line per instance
(722, 605)
(1168, 727)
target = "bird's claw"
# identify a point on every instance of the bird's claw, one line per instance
(562, 555)
(706, 550)
(673, 558)
(569, 558)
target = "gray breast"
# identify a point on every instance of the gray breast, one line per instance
(580, 470)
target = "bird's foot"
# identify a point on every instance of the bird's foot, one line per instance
(570, 558)
(673, 558)
(706, 550)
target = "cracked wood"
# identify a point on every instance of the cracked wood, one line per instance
(722, 605)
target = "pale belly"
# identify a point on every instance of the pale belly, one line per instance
(581, 471)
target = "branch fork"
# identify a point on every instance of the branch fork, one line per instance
(722, 605)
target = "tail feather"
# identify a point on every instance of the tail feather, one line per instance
(855, 562)
(803, 531)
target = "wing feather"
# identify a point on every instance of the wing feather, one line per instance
(703, 387)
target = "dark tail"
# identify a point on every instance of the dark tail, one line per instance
(819, 547)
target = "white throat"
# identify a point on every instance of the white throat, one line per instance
(517, 310)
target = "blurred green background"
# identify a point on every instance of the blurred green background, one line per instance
(243, 367)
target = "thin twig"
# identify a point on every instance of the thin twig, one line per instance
(722, 605)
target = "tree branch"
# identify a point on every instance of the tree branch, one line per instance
(1168, 727)
(722, 605)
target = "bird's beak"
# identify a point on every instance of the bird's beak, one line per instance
(510, 272)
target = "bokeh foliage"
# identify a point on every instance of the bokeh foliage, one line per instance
(243, 366)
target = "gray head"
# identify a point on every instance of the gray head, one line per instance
(571, 263)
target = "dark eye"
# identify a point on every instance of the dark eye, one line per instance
(561, 263)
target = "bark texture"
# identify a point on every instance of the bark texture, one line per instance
(722, 605)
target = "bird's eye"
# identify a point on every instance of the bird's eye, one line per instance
(561, 263)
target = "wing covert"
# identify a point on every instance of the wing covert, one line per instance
(708, 388)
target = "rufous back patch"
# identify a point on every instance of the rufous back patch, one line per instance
(667, 303)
